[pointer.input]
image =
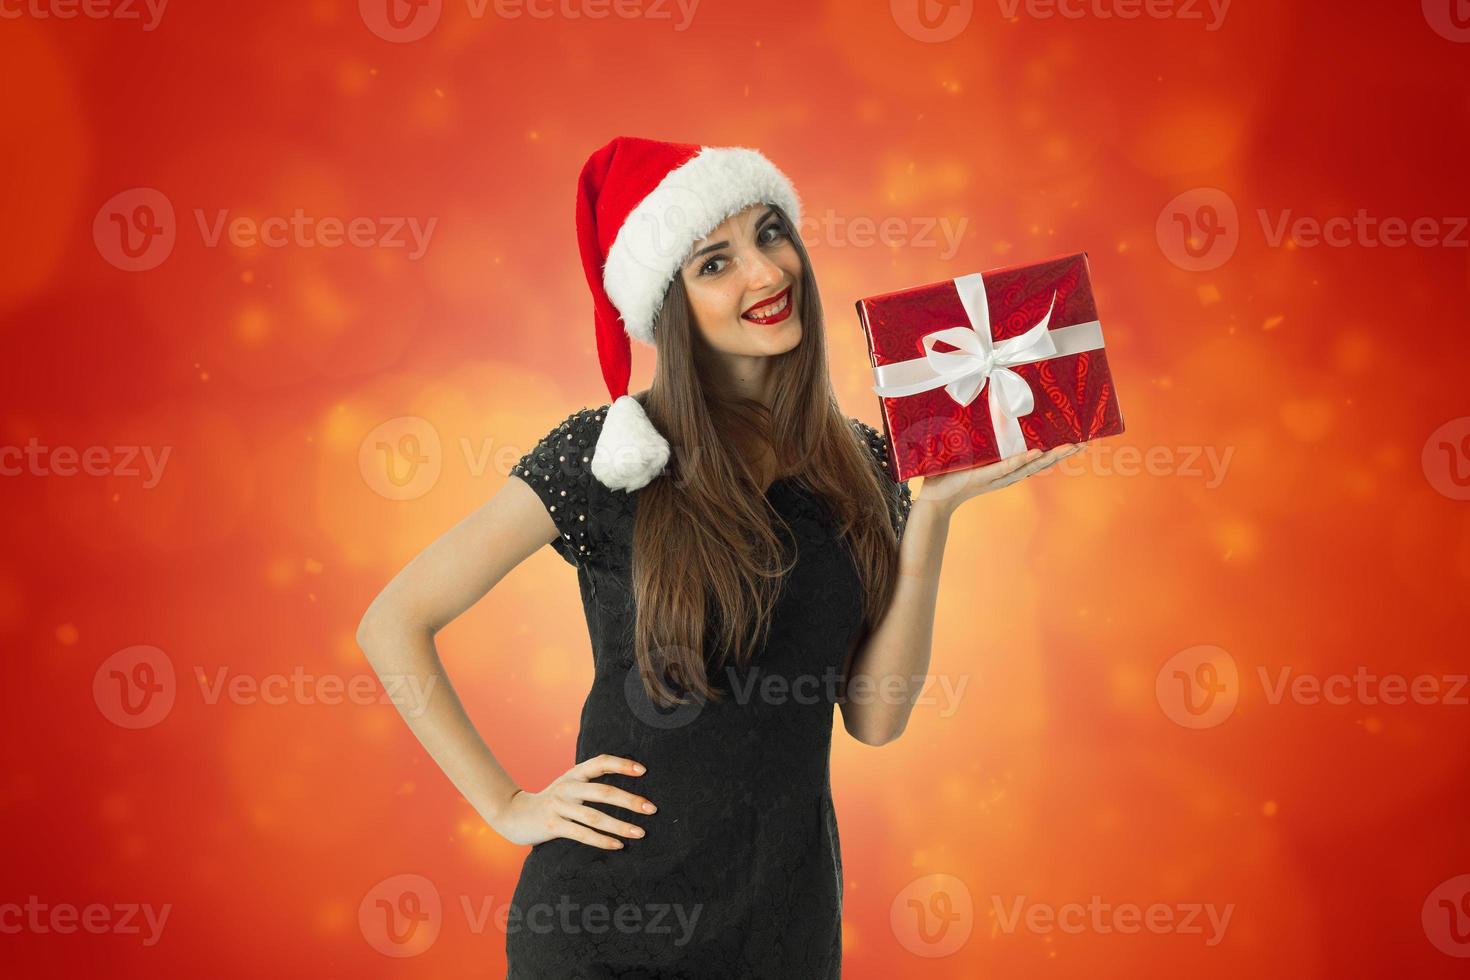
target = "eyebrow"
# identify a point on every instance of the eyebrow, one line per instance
(719, 245)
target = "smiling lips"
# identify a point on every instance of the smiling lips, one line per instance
(773, 310)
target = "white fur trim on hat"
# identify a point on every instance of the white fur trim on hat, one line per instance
(630, 452)
(686, 206)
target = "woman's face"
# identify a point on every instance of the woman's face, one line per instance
(732, 277)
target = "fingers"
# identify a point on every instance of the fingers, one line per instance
(601, 765)
(1010, 464)
(579, 784)
(575, 831)
(613, 796)
(589, 817)
(1036, 464)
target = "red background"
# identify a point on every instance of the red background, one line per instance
(1326, 546)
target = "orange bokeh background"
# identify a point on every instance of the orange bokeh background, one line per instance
(1331, 536)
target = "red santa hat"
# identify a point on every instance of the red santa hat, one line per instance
(641, 206)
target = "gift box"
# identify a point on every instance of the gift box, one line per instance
(986, 366)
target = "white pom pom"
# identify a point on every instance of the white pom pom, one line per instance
(630, 451)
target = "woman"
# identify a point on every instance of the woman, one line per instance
(745, 561)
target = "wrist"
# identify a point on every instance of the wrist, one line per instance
(498, 807)
(941, 509)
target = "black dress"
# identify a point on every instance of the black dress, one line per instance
(740, 873)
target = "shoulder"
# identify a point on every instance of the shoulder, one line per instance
(558, 468)
(900, 497)
(578, 429)
(873, 439)
(582, 422)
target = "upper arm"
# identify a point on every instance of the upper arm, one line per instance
(545, 501)
(466, 561)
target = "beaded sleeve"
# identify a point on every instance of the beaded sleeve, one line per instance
(558, 469)
(900, 498)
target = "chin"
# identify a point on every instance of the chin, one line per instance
(783, 340)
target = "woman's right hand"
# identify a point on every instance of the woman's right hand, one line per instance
(560, 809)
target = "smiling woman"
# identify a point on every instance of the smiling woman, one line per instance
(738, 543)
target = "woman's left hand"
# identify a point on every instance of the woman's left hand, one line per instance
(949, 490)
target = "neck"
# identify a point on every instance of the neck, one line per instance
(742, 376)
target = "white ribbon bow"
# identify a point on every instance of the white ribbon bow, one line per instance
(982, 362)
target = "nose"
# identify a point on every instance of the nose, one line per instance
(763, 272)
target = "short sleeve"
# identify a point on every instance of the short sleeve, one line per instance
(558, 468)
(900, 498)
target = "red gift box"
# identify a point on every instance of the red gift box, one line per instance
(986, 366)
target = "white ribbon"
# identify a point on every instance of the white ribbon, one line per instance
(981, 362)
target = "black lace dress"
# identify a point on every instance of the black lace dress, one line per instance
(740, 873)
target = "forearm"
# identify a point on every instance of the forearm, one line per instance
(407, 662)
(888, 671)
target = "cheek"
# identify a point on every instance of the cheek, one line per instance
(717, 304)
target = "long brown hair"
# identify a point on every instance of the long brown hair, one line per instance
(707, 564)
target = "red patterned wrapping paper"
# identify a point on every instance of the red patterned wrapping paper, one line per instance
(930, 432)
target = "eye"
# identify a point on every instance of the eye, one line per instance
(778, 233)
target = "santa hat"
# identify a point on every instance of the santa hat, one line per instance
(641, 206)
